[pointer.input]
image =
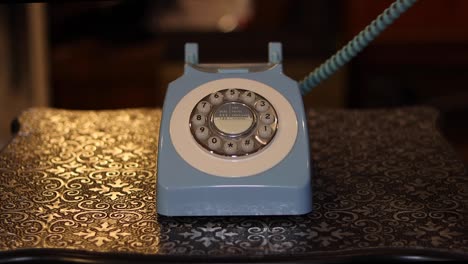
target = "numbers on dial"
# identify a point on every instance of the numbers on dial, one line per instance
(202, 133)
(267, 118)
(233, 122)
(198, 119)
(204, 107)
(214, 143)
(265, 131)
(248, 97)
(261, 105)
(232, 95)
(216, 98)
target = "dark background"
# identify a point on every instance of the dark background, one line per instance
(108, 55)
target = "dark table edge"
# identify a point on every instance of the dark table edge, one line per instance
(385, 255)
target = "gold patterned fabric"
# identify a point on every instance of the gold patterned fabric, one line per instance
(85, 180)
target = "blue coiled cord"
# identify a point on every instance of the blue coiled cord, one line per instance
(356, 45)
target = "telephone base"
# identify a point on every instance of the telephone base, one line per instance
(236, 200)
(205, 165)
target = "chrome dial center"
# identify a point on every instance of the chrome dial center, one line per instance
(233, 119)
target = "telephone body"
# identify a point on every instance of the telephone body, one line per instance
(233, 141)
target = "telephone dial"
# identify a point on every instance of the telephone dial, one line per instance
(233, 141)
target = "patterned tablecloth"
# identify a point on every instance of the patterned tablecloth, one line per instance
(85, 180)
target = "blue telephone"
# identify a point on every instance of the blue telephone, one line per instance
(233, 137)
(233, 141)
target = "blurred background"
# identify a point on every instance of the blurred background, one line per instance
(119, 54)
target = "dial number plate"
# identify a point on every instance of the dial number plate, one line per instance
(233, 122)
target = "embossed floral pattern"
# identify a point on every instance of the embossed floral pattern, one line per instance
(87, 180)
(324, 233)
(434, 234)
(115, 189)
(208, 234)
(10, 188)
(102, 234)
(81, 180)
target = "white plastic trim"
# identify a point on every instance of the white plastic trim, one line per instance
(250, 165)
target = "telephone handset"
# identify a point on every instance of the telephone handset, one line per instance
(233, 141)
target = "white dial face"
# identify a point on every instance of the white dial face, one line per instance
(242, 126)
(259, 129)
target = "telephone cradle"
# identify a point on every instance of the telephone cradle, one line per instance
(233, 141)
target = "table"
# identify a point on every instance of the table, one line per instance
(80, 185)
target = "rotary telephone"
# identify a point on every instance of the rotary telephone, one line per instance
(233, 141)
(233, 137)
